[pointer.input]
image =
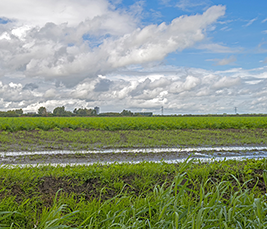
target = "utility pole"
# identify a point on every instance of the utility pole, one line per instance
(162, 110)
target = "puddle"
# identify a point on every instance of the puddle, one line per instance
(168, 155)
(222, 150)
(196, 159)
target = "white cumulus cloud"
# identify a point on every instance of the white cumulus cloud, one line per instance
(99, 40)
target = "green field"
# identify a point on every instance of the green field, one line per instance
(227, 194)
(132, 123)
(56, 139)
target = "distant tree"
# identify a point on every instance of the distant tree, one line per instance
(19, 111)
(59, 111)
(93, 111)
(11, 114)
(68, 113)
(42, 111)
(126, 113)
(84, 112)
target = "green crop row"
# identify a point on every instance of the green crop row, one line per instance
(147, 195)
(132, 123)
(40, 140)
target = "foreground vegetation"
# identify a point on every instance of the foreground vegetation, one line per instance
(228, 194)
(189, 195)
(132, 123)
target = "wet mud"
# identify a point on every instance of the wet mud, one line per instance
(171, 155)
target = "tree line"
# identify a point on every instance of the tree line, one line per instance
(42, 111)
(62, 112)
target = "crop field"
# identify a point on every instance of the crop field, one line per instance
(57, 139)
(226, 194)
(132, 123)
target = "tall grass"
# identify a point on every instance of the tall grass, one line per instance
(179, 204)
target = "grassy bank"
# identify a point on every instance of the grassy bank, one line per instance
(189, 195)
(68, 139)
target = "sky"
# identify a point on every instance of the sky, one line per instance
(187, 56)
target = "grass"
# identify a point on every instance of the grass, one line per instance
(40, 140)
(187, 195)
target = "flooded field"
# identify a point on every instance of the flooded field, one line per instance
(59, 166)
(87, 146)
(170, 155)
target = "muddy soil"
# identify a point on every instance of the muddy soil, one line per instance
(79, 158)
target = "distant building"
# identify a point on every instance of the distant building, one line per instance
(97, 109)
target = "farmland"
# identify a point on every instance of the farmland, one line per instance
(227, 194)
(132, 123)
(46, 134)
(57, 139)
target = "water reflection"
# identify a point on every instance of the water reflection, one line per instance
(215, 150)
(199, 154)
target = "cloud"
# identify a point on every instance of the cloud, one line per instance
(30, 86)
(179, 90)
(250, 22)
(225, 22)
(227, 82)
(102, 85)
(262, 47)
(225, 61)
(217, 48)
(92, 53)
(37, 12)
(189, 83)
(264, 20)
(100, 43)
(226, 28)
(185, 5)
(264, 61)
(51, 94)
(165, 2)
(153, 42)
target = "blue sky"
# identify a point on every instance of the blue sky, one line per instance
(189, 56)
(241, 29)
